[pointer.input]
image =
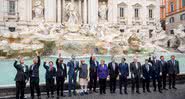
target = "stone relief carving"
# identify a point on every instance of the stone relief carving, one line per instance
(103, 10)
(38, 9)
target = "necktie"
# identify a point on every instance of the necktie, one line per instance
(147, 67)
(136, 65)
(113, 64)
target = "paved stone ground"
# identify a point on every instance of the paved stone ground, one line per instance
(169, 94)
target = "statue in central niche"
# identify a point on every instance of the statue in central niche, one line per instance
(38, 10)
(103, 10)
(72, 23)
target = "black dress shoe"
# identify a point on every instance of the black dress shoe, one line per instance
(126, 92)
(165, 89)
(95, 91)
(174, 88)
(160, 91)
(138, 92)
(143, 91)
(63, 95)
(149, 91)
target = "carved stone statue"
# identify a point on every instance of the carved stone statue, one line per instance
(180, 34)
(72, 14)
(72, 17)
(103, 9)
(38, 9)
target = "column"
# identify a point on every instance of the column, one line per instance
(29, 10)
(110, 11)
(114, 11)
(80, 7)
(72, 1)
(50, 10)
(59, 18)
(63, 11)
(93, 12)
(2, 9)
(85, 12)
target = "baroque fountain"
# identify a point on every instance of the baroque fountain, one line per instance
(73, 37)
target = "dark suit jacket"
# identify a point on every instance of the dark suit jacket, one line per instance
(164, 66)
(147, 73)
(72, 69)
(136, 71)
(61, 70)
(173, 68)
(93, 67)
(34, 69)
(113, 73)
(156, 69)
(49, 73)
(22, 72)
(124, 70)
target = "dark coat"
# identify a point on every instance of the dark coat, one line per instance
(156, 69)
(22, 72)
(93, 67)
(61, 70)
(113, 73)
(50, 74)
(164, 66)
(146, 73)
(136, 72)
(124, 69)
(34, 69)
(173, 68)
(72, 68)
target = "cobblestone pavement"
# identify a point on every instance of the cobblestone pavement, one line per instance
(178, 93)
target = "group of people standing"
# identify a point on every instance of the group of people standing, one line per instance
(152, 70)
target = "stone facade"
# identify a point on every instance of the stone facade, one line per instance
(28, 12)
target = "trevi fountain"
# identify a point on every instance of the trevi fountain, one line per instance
(74, 36)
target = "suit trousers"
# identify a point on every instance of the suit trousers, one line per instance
(60, 85)
(123, 81)
(158, 80)
(112, 84)
(135, 83)
(50, 86)
(72, 84)
(20, 85)
(172, 80)
(146, 84)
(93, 82)
(102, 83)
(34, 84)
(164, 80)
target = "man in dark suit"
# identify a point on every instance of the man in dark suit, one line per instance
(123, 74)
(73, 65)
(146, 70)
(156, 73)
(136, 74)
(113, 72)
(173, 70)
(21, 77)
(93, 73)
(50, 78)
(61, 74)
(164, 65)
(34, 76)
